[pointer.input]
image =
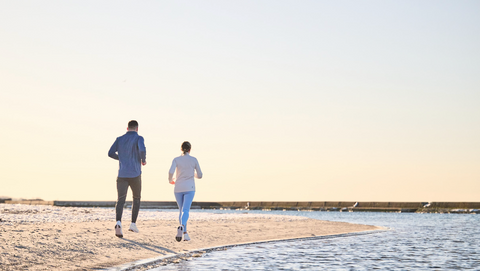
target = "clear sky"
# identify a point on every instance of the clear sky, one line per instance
(281, 100)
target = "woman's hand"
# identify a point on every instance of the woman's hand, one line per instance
(172, 181)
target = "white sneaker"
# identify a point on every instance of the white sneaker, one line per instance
(186, 237)
(133, 227)
(179, 233)
(118, 231)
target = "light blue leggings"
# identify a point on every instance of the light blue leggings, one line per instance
(184, 202)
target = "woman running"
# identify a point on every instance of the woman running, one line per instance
(187, 168)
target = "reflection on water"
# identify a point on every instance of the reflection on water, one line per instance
(415, 242)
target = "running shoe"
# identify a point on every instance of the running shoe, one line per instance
(133, 227)
(186, 237)
(118, 231)
(179, 233)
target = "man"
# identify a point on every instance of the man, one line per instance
(130, 150)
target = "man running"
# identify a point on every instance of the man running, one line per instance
(130, 150)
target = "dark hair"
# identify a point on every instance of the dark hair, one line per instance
(132, 124)
(186, 146)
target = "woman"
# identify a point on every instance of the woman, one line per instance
(187, 168)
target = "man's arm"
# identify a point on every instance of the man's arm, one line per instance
(113, 150)
(142, 150)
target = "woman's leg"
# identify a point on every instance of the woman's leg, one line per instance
(179, 198)
(187, 203)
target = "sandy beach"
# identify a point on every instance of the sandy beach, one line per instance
(53, 238)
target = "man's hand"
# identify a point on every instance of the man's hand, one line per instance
(144, 162)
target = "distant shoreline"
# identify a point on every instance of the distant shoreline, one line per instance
(341, 206)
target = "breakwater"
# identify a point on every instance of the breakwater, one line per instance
(341, 206)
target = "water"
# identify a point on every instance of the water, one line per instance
(414, 242)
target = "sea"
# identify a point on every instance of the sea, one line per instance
(413, 241)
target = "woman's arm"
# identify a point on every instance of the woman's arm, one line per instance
(171, 171)
(198, 171)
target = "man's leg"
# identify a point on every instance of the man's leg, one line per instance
(122, 188)
(136, 186)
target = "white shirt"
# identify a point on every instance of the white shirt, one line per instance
(186, 166)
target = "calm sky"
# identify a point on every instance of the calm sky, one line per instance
(281, 100)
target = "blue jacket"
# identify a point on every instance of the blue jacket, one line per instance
(130, 150)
